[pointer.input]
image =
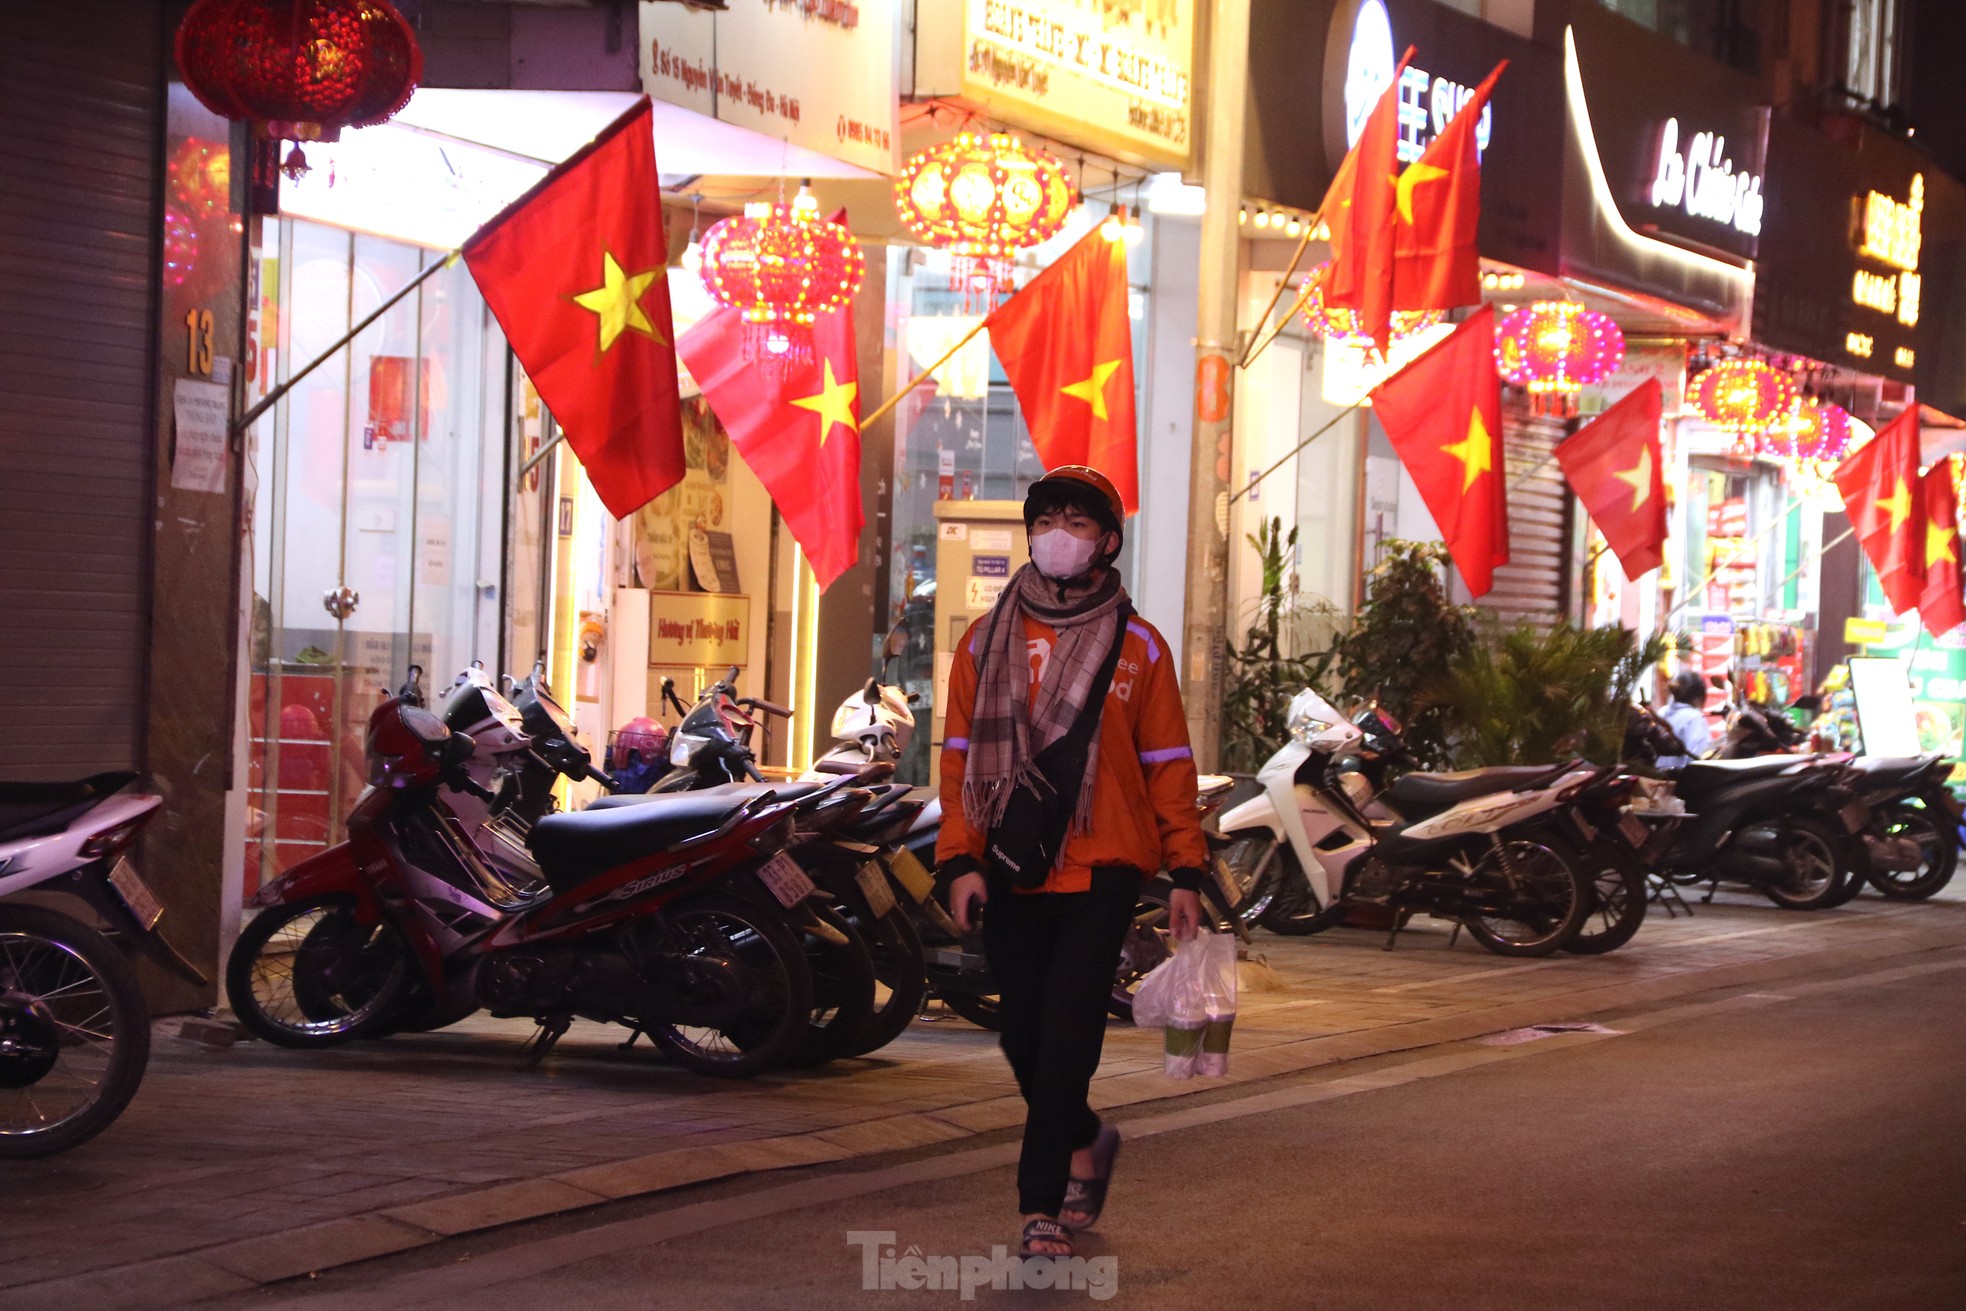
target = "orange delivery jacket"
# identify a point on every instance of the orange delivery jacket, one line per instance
(1143, 799)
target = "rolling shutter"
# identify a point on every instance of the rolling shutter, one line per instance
(1536, 584)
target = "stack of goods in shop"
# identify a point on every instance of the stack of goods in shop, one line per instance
(1769, 660)
(1730, 563)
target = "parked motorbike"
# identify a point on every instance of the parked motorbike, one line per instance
(1912, 841)
(74, 1029)
(1495, 849)
(1788, 825)
(672, 919)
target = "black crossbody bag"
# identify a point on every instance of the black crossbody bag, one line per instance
(1023, 844)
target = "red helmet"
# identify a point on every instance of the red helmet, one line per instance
(648, 740)
(1080, 485)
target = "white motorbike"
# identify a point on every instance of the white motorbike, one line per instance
(74, 1029)
(1485, 847)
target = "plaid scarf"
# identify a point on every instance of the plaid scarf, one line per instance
(1008, 725)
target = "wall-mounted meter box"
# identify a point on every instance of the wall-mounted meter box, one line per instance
(978, 546)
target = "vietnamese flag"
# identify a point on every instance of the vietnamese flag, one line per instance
(1941, 606)
(1437, 209)
(1443, 413)
(1881, 494)
(1066, 343)
(1359, 211)
(575, 271)
(797, 425)
(1615, 466)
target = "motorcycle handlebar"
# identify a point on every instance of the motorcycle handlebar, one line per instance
(752, 703)
(463, 782)
(751, 772)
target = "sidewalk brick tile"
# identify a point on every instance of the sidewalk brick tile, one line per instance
(487, 1207)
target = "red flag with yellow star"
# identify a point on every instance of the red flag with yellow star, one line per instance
(1941, 606)
(574, 271)
(1359, 212)
(1066, 343)
(1443, 413)
(1437, 211)
(1881, 494)
(1614, 464)
(797, 424)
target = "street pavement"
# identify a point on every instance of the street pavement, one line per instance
(1764, 1150)
(238, 1168)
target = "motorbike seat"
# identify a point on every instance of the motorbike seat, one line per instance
(1884, 771)
(1437, 792)
(930, 818)
(731, 793)
(34, 810)
(1702, 787)
(574, 846)
(1701, 778)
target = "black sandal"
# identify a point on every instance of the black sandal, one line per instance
(1088, 1196)
(1041, 1230)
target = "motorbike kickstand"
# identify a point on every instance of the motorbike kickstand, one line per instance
(551, 1029)
(1455, 936)
(1712, 888)
(632, 1035)
(1392, 934)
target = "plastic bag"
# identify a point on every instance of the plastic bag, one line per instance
(1192, 995)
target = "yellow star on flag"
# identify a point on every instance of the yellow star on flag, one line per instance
(833, 404)
(618, 301)
(1476, 451)
(1093, 389)
(1939, 540)
(1414, 176)
(1638, 478)
(1898, 504)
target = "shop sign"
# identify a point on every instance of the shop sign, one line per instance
(1700, 178)
(817, 74)
(1889, 232)
(1427, 102)
(694, 629)
(1111, 74)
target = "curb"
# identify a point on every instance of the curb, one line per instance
(243, 1264)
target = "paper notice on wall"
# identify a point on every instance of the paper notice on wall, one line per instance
(203, 412)
(990, 539)
(434, 550)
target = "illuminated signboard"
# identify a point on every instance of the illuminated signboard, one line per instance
(1890, 231)
(1426, 103)
(1699, 177)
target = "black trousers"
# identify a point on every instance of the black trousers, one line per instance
(1053, 955)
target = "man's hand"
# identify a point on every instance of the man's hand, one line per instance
(1183, 913)
(967, 896)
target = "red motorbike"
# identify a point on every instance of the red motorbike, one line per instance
(674, 918)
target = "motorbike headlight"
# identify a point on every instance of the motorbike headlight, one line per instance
(1305, 729)
(682, 746)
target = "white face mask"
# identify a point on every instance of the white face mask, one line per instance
(1058, 554)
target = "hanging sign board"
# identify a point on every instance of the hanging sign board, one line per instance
(693, 629)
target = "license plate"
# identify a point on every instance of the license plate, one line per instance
(913, 874)
(1634, 830)
(142, 904)
(1855, 815)
(787, 882)
(873, 886)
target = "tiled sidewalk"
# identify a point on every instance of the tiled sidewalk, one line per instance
(243, 1165)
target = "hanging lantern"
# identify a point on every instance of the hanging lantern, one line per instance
(1555, 349)
(983, 199)
(780, 266)
(1745, 397)
(299, 70)
(1337, 324)
(1815, 430)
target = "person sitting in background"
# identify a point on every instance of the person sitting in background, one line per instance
(1687, 715)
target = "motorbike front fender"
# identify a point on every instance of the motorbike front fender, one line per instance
(329, 873)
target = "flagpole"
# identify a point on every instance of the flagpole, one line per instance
(1257, 481)
(924, 375)
(273, 397)
(1302, 296)
(540, 454)
(1263, 319)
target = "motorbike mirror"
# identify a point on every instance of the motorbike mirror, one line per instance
(895, 644)
(412, 688)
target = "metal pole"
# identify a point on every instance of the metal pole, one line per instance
(1336, 419)
(1205, 616)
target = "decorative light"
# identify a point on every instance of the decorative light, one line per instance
(1813, 430)
(983, 198)
(200, 173)
(299, 70)
(180, 246)
(1262, 218)
(780, 266)
(1335, 323)
(1555, 349)
(1743, 396)
(1293, 227)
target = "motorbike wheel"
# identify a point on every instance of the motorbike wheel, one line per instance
(842, 991)
(900, 972)
(1619, 895)
(310, 975)
(764, 955)
(1284, 903)
(1938, 844)
(1814, 862)
(1540, 896)
(979, 1009)
(74, 1032)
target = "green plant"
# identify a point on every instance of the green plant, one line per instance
(1528, 696)
(1265, 672)
(1405, 633)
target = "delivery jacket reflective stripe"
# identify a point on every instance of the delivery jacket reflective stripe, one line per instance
(1143, 800)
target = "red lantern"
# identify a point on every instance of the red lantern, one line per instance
(1745, 397)
(1340, 324)
(780, 266)
(1814, 430)
(1555, 349)
(299, 69)
(984, 198)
